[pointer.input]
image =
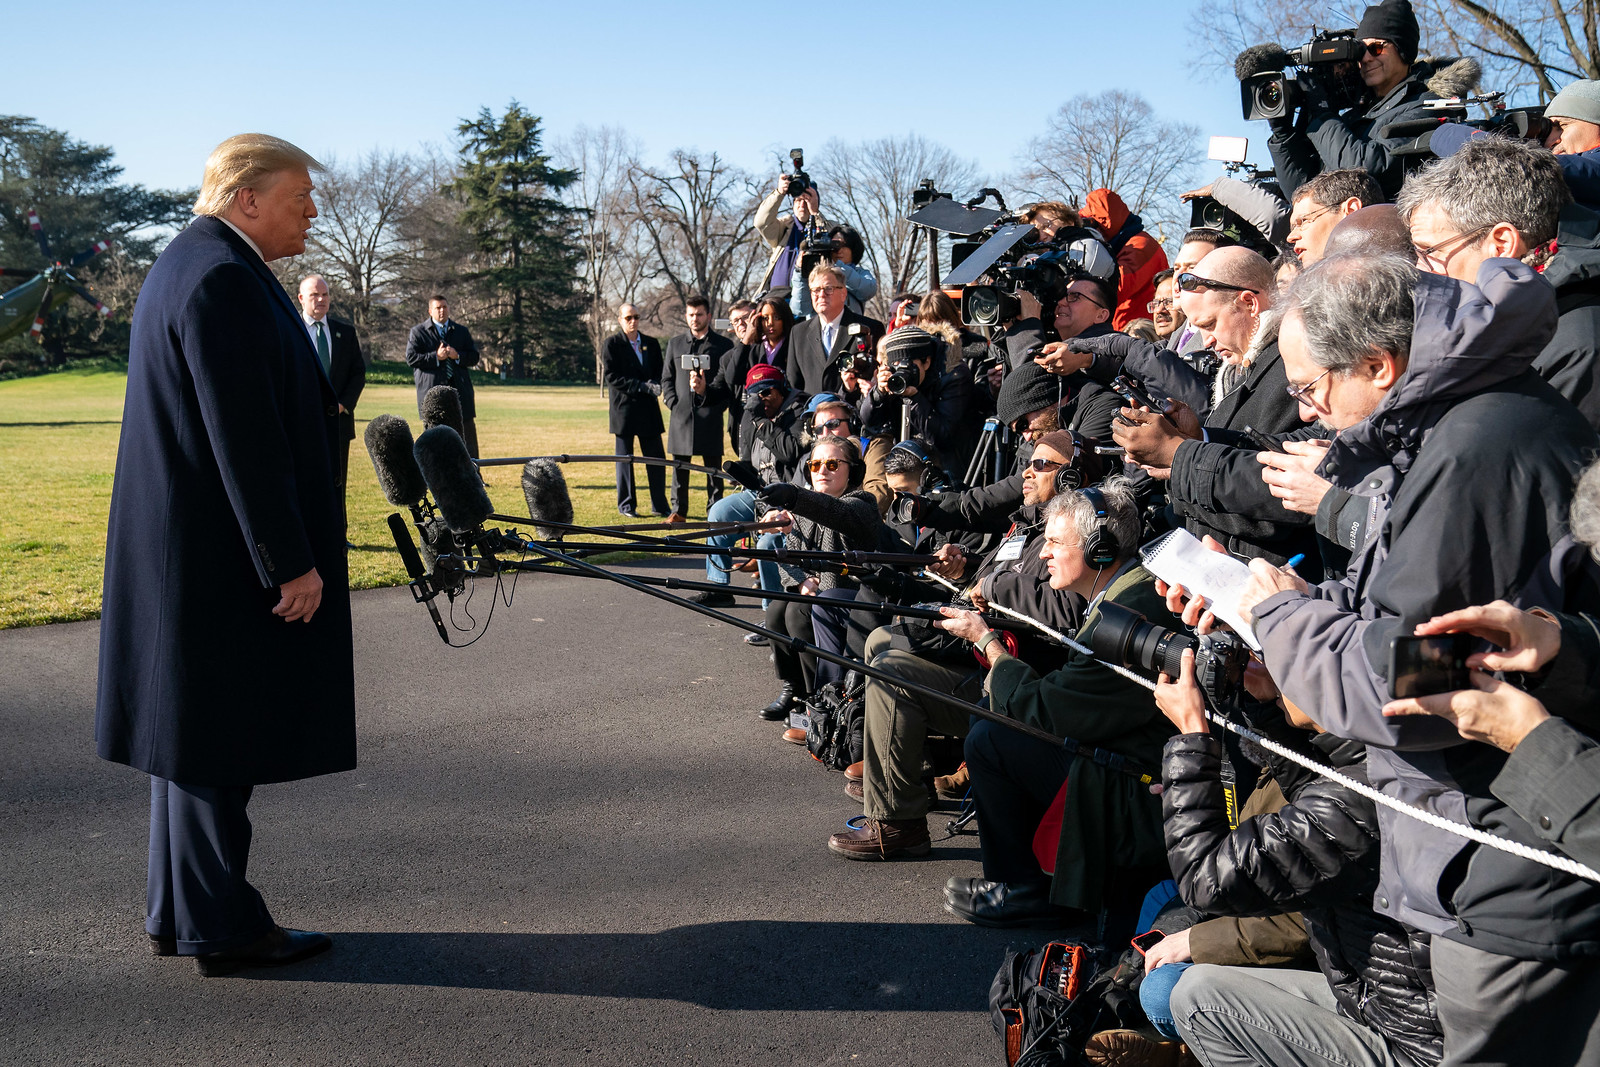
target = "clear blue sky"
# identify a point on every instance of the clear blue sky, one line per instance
(161, 83)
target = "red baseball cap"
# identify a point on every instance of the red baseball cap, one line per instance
(762, 372)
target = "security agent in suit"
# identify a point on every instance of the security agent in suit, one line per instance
(696, 424)
(633, 380)
(816, 344)
(225, 648)
(439, 352)
(339, 351)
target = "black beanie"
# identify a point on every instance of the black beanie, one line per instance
(1392, 20)
(1028, 388)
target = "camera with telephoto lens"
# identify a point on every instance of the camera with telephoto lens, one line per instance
(1124, 636)
(1327, 77)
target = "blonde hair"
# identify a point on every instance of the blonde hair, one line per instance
(826, 270)
(245, 161)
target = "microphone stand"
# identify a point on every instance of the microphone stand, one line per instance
(678, 463)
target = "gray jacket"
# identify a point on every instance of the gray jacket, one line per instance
(1469, 462)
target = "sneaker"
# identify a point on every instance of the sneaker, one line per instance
(1135, 1048)
(709, 599)
(756, 639)
(884, 839)
(953, 786)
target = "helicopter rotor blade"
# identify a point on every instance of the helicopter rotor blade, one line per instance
(37, 333)
(89, 253)
(38, 232)
(81, 291)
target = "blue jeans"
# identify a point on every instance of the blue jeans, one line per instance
(1155, 997)
(740, 507)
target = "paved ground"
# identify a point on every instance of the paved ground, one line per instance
(571, 842)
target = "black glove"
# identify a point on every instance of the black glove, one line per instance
(654, 388)
(779, 494)
(744, 472)
(1110, 351)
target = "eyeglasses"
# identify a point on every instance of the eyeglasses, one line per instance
(1194, 283)
(1295, 224)
(1159, 305)
(1073, 297)
(1430, 253)
(1039, 465)
(832, 424)
(766, 391)
(826, 289)
(1377, 48)
(1298, 392)
(829, 465)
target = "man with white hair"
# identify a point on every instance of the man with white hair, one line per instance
(225, 645)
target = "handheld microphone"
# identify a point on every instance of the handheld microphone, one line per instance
(544, 488)
(452, 478)
(421, 589)
(745, 473)
(388, 439)
(441, 406)
(1261, 57)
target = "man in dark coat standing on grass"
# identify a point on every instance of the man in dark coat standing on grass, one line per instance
(633, 378)
(695, 428)
(226, 659)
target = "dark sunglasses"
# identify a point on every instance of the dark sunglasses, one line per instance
(829, 465)
(832, 424)
(1194, 283)
(766, 390)
(1041, 465)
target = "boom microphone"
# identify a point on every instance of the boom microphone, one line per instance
(419, 577)
(441, 406)
(388, 440)
(545, 489)
(453, 479)
(1261, 57)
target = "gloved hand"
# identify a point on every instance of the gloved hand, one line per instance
(754, 406)
(779, 494)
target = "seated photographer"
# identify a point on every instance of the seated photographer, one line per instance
(832, 516)
(1372, 1003)
(1014, 575)
(914, 475)
(1320, 203)
(1398, 85)
(774, 419)
(816, 344)
(1139, 256)
(912, 395)
(1109, 850)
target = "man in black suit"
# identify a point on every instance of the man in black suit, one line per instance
(226, 656)
(633, 377)
(339, 352)
(696, 426)
(817, 343)
(439, 352)
(745, 353)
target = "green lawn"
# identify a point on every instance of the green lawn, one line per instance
(58, 449)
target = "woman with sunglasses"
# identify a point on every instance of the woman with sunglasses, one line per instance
(834, 515)
(1395, 87)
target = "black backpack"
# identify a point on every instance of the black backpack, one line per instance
(835, 718)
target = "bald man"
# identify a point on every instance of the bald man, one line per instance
(339, 351)
(1371, 231)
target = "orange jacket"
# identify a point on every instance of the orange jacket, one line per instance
(1140, 257)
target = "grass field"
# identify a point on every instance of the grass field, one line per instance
(58, 450)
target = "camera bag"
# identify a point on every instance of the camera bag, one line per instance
(835, 719)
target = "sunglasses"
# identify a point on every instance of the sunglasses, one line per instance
(1194, 283)
(829, 465)
(766, 390)
(1039, 466)
(831, 424)
(1377, 48)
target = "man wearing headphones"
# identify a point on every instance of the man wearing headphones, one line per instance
(1109, 850)
(897, 723)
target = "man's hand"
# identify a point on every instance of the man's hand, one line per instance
(959, 622)
(1029, 305)
(1150, 440)
(447, 352)
(1289, 476)
(1057, 358)
(1267, 581)
(949, 562)
(301, 597)
(1174, 948)
(783, 518)
(697, 382)
(1181, 701)
(1191, 607)
(996, 377)
(1195, 194)
(1492, 711)
(809, 587)
(1527, 641)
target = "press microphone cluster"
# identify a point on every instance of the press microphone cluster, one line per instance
(441, 406)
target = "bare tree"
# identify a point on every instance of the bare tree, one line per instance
(870, 185)
(610, 265)
(1114, 140)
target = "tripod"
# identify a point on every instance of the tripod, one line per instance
(993, 456)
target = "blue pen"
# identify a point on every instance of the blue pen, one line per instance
(1295, 561)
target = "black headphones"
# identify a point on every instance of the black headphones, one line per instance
(854, 459)
(1086, 467)
(933, 475)
(1100, 549)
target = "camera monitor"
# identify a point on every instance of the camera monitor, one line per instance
(949, 216)
(1229, 149)
(973, 267)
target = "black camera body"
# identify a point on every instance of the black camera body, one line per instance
(1327, 72)
(857, 355)
(1045, 275)
(799, 181)
(1206, 212)
(903, 375)
(1124, 636)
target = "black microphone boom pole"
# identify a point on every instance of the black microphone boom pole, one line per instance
(517, 461)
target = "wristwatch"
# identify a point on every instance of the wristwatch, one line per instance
(983, 642)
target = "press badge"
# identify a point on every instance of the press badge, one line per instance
(1011, 549)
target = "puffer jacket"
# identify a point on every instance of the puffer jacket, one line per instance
(1329, 140)
(1468, 466)
(1571, 361)
(1139, 256)
(1318, 854)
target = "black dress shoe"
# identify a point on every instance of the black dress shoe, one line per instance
(273, 949)
(628, 513)
(713, 600)
(1001, 905)
(779, 708)
(163, 946)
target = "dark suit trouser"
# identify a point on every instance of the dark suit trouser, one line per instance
(199, 848)
(680, 483)
(627, 492)
(470, 425)
(341, 475)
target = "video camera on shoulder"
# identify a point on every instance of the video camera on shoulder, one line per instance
(696, 361)
(1124, 636)
(1326, 72)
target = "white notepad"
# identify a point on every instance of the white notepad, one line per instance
(1179, 558)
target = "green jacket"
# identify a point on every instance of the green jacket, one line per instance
(1111, 820)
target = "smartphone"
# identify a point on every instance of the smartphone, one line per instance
(1262, 442)
(1147, 941)
(1420, 666)
(1136, 396)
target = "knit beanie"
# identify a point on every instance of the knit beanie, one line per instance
(1392, 20)
(1579, 100)
(1028, 388)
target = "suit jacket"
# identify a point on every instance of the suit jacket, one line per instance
(348, 374)
(811, 369)
(422, 349)
(696, 424)
(634, 409)
(224, 490)
(730, 380)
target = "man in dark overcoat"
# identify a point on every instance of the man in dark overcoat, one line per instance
(225, 644)
(633, 382)
(696, 424)
(439, 352)
(339, 351)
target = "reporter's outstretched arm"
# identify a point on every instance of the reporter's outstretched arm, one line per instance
(1257, 205)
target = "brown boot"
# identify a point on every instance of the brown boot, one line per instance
(884, 839)
(794, 735)
(953, 786)
(1135, 1048)
(854, 772)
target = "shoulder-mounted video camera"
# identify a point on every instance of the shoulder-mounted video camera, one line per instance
(1325, 71)
(1010, 262)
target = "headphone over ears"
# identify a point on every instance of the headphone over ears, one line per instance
(855, 459)
(1101, 548)
(1086, 467)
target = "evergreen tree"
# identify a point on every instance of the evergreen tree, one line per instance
(526, 241)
